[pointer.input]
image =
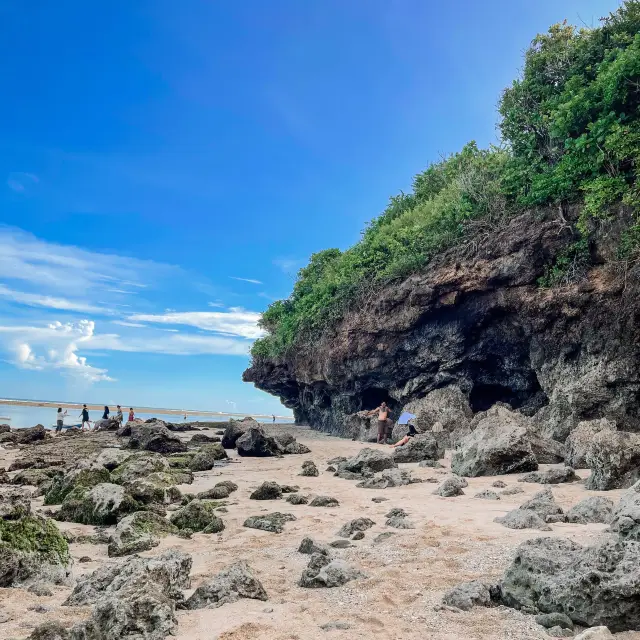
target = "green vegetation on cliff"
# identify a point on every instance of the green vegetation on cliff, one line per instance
(571, 133)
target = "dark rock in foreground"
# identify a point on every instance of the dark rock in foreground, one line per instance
(469, 594)
(551, 476)
(591, 509)
(359, 524)
(155, 437)
(267, 491)
(273, 522)
(256, 443)
(323, 572)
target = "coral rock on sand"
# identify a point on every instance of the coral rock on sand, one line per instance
(551, 476)
(155, 437)
(235, 582)
(400, 522)
(235, 429)
(596, 585)
(550, 620)
(579, 440)
(104, 504)
(15, 502)
(256, 443)
(544, 504)
(198, 515)
(499, 484)
(396, 512)
(389, 478)
(512, 491)
(469, 594)
(359, 524)
(296, 498)
(219, 492)
(523, 519)
(591, 509)
(139, 465)
(309, 469)
(420, 447)
(487, 494)
(625, 520)
(595, 633)
(206, 457)
(324, 501)
(203, 438)
(309, 546)
(371, 460)
(614, 460)
(273, 522)
(140, 531)
(52, 630)
(451, 487)
(267, 491)
(27, 436)
(322, 572)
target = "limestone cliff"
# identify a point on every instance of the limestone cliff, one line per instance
(477, 319)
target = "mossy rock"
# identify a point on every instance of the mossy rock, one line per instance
(139, 465)
(138, 532)
(158, 487)
(180, 460)
(198, 515)
(206, 456)
(36, 477)
(80, 479)
(104, 504)
(35, 534)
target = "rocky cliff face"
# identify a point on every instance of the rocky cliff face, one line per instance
(477, 320)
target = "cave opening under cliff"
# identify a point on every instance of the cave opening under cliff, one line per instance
(527, 398)
(374, 396)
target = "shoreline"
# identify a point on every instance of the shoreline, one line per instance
(137, 409)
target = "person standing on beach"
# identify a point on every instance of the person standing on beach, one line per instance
(274, 419)
(383, 415)
(85, 417)
(119, 416)
(131, 415)
(105, 415)
(60, 420)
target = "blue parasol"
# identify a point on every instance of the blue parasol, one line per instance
(405, 417)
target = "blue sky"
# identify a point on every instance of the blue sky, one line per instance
(166, 167)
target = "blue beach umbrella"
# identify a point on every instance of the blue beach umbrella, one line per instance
(405, 417)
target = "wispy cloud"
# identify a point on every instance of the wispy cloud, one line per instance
(290, 266)
(124, 323)
(215, 305)
(251, 280)
(50, 302)
(234, 322)
(20, 182)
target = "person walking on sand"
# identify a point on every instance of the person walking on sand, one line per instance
(132, 416)
(60, 420)
(274, 419)
(119, 416)
(85, 417)
(383, 415)
(105, 415)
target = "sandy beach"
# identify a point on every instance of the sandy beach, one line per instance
(454, 540)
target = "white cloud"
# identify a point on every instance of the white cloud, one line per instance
(251, 280)
(215, 304)
(50, 302)
(124, 323)
(235, 322)
(20, 182)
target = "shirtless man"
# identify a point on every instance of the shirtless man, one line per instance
(383, 414)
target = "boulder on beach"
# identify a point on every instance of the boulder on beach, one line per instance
(138, 532)
(467, 595)
(104, 504)
(308, 546)
(522, 519)
(139, 465)
(625, 520)
(256, 443)
(368, 460)
(323, 572)
(389, 478)
(614, 460)
(324, 501)
(15, 502)
(155, 437)
(580, 438)
(28, 436)
(76, 479)
(273, 522)
(235, 429)
(357, 524)
(267, 491)
(230, 585)
(591, 509)
(309, 469)
(451, 487)
(206, 457)
(198, 515)
(421, 447)
(544, 504)
(551, 476)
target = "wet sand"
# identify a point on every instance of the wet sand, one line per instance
(455, 539)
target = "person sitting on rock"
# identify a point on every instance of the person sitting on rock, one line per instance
(411, 433)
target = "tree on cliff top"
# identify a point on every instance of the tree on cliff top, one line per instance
(571, 134)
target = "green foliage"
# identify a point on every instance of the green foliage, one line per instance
(572, 135)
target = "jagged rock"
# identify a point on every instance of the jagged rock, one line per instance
(256, 443)
(104, 504)
(288, 488)
(467, 595)
(379, 499)
(389, 478)
(32, 549)
(338, 460)
(296, 498)
(487, 494)
(546, 450)
(35, 462)
(158, 487)
(219, 492)
(592, 509)
(499, 484)
(399, 522)
(110, 424)
(451, 487)
(358, 524)
(499, 445)
(234, 430)
(396, 512)
(349, 475)
(203, 438)
(40, 589)
(206, 457)
(358, 535)
(580, 438)
(170, 571)
(51, 630)
(267, 491)
(283, 439)
(331, 574)
(235, 582)
(112, 457)
(139, 465)
(592, 585)
(614, 460)
(595, 633)
(155, 437)
(551, 476)
(198, 515)
(140, 531)
(544, 504)
(229, 484)
(625, 520)
(324, 501)
(77, 479)
(308, 547)
(273, 522)
(15, 502)
(340, 544)
(522, 519)
(512, 491)
(421, 447)
(309, 469)
(28, 436)
(296, 448)
(372, 460)
(550, 620)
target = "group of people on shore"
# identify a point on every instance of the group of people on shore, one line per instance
(84, 415)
